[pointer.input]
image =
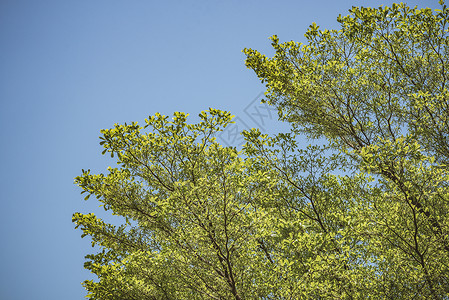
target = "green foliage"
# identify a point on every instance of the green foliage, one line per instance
(364, 216)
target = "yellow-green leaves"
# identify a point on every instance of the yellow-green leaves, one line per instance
(281, 220)
(376, 90)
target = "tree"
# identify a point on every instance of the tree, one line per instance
(364, 216)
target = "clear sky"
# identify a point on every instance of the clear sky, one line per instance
(71, 68)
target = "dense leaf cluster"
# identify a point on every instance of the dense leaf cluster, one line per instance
(366, 216)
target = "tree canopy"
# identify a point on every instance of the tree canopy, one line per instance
(366, 215)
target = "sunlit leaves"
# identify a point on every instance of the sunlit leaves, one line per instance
(376, 90)
(363, 215)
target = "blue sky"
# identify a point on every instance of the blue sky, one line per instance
(71, 68)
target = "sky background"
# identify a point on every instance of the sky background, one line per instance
(71, 68)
